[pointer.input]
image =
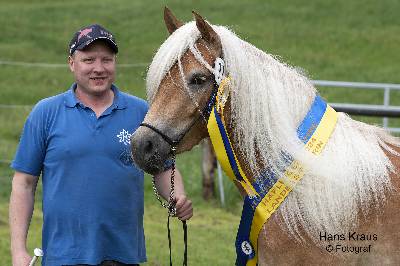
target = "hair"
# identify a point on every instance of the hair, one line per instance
(269, 99)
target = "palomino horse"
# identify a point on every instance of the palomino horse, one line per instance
(346, 208)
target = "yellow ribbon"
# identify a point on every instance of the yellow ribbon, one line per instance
(229, 162)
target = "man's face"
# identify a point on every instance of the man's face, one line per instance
(93, 68)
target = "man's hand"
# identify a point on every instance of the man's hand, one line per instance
(184, 209)
(183, 205)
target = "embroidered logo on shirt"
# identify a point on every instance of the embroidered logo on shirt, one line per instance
(124, 137)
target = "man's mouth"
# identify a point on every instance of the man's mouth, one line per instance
(99, 81)
(98, 78)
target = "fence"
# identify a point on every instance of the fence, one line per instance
(385, 110)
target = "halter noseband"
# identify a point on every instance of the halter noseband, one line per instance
(172, 143)
(205, 114)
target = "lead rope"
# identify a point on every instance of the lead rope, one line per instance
(170, 206)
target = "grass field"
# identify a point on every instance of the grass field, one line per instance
(331, 40)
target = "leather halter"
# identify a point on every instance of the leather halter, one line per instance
(203, 114)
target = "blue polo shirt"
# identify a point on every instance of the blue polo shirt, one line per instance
(92, 193)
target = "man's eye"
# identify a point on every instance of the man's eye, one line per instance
(198, 80)
(88, 60)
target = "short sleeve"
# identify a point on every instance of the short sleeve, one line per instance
(32, 146)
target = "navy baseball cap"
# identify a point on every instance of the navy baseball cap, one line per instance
(89, 34)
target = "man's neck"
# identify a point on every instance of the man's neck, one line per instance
(97, 102)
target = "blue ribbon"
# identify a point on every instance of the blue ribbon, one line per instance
(227, 146)
(264, 183)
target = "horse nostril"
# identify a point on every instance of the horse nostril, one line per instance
(148, 146)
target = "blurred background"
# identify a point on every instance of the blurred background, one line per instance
(339, 40)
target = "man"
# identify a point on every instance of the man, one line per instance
(79, 142)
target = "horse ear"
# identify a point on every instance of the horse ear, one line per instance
(207, 33)
(171, 21)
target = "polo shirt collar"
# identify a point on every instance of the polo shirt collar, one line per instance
(71, 101)
(119, 102)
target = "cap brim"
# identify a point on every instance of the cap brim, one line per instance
(111, 43)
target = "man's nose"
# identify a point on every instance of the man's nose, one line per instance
(98, 66)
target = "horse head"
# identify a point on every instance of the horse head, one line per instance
(176, 116)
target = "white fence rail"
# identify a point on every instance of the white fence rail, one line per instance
(385, 110)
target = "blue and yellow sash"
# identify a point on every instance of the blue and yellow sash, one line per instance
(265, 195)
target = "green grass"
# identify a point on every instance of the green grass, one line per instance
(331, 40)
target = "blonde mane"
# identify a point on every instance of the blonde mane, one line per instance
(269, 99)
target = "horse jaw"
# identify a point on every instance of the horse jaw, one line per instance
(193, 137)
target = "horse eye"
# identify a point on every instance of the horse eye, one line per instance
(198, 80)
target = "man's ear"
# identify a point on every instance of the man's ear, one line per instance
(71, 63)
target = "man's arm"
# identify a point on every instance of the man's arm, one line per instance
(184, 210)
(20, 214)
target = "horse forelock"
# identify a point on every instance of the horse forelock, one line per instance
(168, 54)
(268, 101)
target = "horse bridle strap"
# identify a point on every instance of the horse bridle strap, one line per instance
(219, 75)
(205, 114)
(170, 141)
(219, 70)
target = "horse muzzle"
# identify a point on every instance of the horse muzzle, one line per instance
(149, 150)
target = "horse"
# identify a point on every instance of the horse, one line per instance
(346, 208)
